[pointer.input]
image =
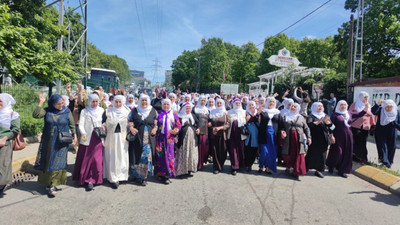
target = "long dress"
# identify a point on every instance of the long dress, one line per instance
(386, 137)
(6, 152)
(116, 156)
(341, 153)
(251, 142)
(218, 142)
(142, 149)
(203, 147)
(236, 146)
(51, 160)
(164, 162)
(316, 154)
(89, 159)
(186, 159)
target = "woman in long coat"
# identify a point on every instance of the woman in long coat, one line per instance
(387, 126)
(168, 127)
(251, 142)
(319, 124)
(293, 143)
(202, 113)
(220, 122)
(187, 156)
(51, 160)
(9, 127)
(341, 151)
(89, 160)
(116, 157)
(236, 139)
(271, 124)
(142, 124)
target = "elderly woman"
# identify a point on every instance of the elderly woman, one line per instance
(187, 152)
(211, 104)
(387, 124)
(319, 124)
(270, 126)
(89, 161)
(130, 101)
(251, 142)
(341, 151)
(219, 123)
(9, 127)
(51, 160)
(287, 105)
(168, 127)
(293, 144)
(201, 111)
(116, 157)
(175, 107)
(361, 121)
(143, 125)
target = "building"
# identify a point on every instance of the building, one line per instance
(168, 78)
(137, 73)
(138, 77)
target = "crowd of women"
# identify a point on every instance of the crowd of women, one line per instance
(129, 138)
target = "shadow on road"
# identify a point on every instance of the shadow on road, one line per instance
(388, 199)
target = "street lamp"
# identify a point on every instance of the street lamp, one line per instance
(198, 74)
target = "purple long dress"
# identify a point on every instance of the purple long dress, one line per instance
(236, 147)
(164, 163)
(341, 153)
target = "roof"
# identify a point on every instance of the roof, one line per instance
(389, 81)
(106, 70)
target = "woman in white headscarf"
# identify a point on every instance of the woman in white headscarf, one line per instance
(89, 160)
(211, 104)
(220, 122)
(9, 127)
(130, 101)
(174, 106)
(387, 126)
(287, 105)
(116, 157)
(319, 124)
(293, 149)
(361, 121)
(186, 160)
(251, 142)
(341, 150)
(106, 100)
(143, 125)
(202, 113)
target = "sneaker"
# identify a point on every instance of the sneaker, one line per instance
(234, 172)
(115, 185)
(343, 175)
(90, 186)
(143, 183)
(51, 192)
(167, 181)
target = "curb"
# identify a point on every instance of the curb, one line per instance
(23, 163)
(379, 178)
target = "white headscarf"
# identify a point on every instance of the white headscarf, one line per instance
(174, 106)
(314, 111)
(360, 105)
(144, 112)
(130, 105)
(285, 103)
(97, 112)
(248, 108)
(169, 118)
(218, 111)
(66, 100)
(293, 116)
(201, 109)
(237, 113)
(5, 112)
(266, 108)
(388, 117)
(122, 111)
(345, 113)
(186, 116)
(209, 107)
(106, 100)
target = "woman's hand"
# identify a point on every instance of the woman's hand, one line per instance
(154, 131)
(3, 141)
(133, 130)
(333, 140)
(381, 101)
(84, 137)
(367, 106)
(309, 141)
(104, 128)
(209, 124)
(283, 134)
(76, 140)
(197, 131)
(42, 99)
(327, 120)
(175, 131)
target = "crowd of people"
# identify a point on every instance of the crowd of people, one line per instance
(129, 138)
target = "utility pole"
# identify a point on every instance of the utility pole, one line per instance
(85, 42)
(60, 40)
(349, 58)
(358, 45)
(198, 74)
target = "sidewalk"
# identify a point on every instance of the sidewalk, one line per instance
(25, 156)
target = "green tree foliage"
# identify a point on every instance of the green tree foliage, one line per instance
(184, 75)
(335, 83)
(245, 65)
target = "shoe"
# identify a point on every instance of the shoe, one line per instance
(90, 186)
(287, 171)
(343, 175)
(234, 172)
(167, 181)
(330, 170)
(249, 169)
(190, 173)
(143, 183)
(260, 170)
(268, 172)
(2, 189)
(319, 174)
(216, 172)
(115, 185)
(296, 177)
(51, 192)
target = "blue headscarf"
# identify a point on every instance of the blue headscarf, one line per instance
(54, 99)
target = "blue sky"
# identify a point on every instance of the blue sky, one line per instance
(168, 27)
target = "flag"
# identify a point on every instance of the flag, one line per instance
(223, 76)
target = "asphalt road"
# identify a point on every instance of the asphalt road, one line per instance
(205, 198)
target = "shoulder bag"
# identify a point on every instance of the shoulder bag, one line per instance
(18, 142)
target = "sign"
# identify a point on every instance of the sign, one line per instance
(377, 93)
(317, 90)
(283, 59)
(229, 89)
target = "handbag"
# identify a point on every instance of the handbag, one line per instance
(18, 142)
(244, 130)
(130, 137)
(65, 137)
(98, 131)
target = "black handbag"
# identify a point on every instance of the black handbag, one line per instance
(65, 137)
(244, 130)
(98, 131)
(130, 137)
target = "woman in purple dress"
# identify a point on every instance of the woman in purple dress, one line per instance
(202, 112)
(168, 127)
(341, 150)
(236, 140)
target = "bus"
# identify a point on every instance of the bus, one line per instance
(108, 79)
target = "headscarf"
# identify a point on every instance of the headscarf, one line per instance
(209, 107)
(261, 99)
(344, 113)
(130, 105)
(54, 99)
(200, 108)
(248, 108)
(293, 116)
(106, 100)
(238, 113)
(218, 111)
(174, 106)
(245, 97)
(186, 116)
(285, 103)
(168, 117)
(144, 112)
(96, 112)
(196, 99)
(388, 117)
(5, 112)
(122, 111)
(314, 111)
(360, 105)
(66, 100)
(266, 108)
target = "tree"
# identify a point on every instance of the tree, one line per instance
(244, 67)
(335, 83)
(184, 70)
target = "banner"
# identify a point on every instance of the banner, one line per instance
(229, 88)
(377, 93)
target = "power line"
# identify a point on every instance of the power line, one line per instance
(141, 30)
(299, 20)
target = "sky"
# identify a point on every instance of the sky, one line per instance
(141, 31)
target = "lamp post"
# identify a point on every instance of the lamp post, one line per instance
(198, 74)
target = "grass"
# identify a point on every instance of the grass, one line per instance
(385, 169)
